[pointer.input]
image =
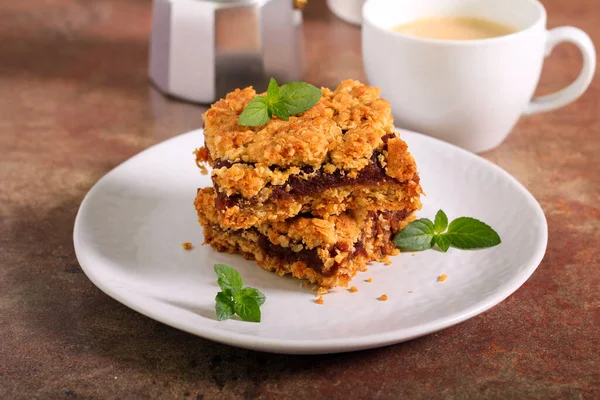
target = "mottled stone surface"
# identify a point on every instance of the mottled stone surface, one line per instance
(75, 102)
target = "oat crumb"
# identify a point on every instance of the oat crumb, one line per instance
(319, 300)
(383, 297)
(370, 280)
(187, 245)
(442, 278)
(354, 289)
(202, 156)
(410, 291)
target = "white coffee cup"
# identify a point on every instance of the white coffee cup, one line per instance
(347, 10)
(467, 92)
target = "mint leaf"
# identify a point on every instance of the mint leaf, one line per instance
(256, 113)
(299, 96)
(229, 279)
(272, 92)
(255, 294)
(470, 233)
(290, 99)
(280, 110)
(417, 236)
(233, 299)
(248, 309)
(441, 222)
(224, 306)
(442, 242)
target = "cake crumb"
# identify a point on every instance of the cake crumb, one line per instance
(202, 156)
(187, 245)
(319, 300)
(322, 290)
(413, 254)
(369, 280)
(353, 289)
(383, 297)
(410, 291)
(442, 278)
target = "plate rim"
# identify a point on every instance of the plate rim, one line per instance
(321, 346)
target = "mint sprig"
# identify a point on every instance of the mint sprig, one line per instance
(234, 298)
(462, 233)
(290, 99)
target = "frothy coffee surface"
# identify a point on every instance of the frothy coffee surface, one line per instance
(454, 28)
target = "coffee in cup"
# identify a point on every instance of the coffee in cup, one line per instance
(454, 28)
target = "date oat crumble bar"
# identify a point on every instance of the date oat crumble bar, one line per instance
(326, 251)
(318, 196)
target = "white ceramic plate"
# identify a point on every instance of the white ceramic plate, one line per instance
(130, 227)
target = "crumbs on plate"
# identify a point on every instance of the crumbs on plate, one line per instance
(187, 245)
(383, 297)
(442, 278)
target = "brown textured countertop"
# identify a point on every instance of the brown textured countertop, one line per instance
(75, 102)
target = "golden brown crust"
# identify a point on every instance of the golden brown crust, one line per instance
(342, 245)
(313, 232)
(306, 139)
(335, 201)
(340, 135)
(356, 103)
(248, 180)
(400, 164)
(356, 148)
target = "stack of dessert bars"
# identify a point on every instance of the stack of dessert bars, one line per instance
(318, 196)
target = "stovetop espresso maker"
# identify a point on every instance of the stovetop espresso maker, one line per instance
(202, 49)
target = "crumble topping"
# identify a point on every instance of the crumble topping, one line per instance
(345, 126)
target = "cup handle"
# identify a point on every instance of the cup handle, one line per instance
(569, 94)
